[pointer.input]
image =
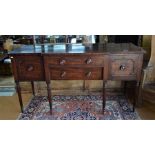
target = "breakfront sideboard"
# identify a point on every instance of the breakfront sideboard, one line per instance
(104, 62)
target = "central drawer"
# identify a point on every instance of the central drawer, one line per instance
(87, 60)
(72, 73)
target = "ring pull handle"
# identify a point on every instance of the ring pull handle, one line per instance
(122, 67)
(62, 62)
(89, 61)
(30, 68)
(63, 74)
(88, 74)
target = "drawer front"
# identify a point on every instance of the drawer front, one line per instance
(29, 67)
(64, 60)
(124, 67)
(76, 74)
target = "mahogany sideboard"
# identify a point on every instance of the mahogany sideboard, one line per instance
(104, 62)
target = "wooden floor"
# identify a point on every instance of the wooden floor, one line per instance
(9, 108)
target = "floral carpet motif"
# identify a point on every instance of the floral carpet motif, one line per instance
(79, 108)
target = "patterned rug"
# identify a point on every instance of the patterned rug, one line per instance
(79, 108)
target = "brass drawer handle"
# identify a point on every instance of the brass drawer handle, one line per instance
(88, 74)
(63, 74)
(62, 62)
(122, 67)
(88, 61)
(30, 68)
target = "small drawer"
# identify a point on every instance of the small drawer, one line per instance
(64, 60)
(76, 74)
(29, 67)
(124, 67)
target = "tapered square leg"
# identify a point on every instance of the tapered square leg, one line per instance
(32, 85)
(136, 96)
(18, 89)
(49, 95)
(104, 98)
(84, 85)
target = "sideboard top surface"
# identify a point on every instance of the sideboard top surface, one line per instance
(77, 48)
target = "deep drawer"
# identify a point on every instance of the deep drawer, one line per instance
(29, 67)
(76, 74)
(125, 67)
